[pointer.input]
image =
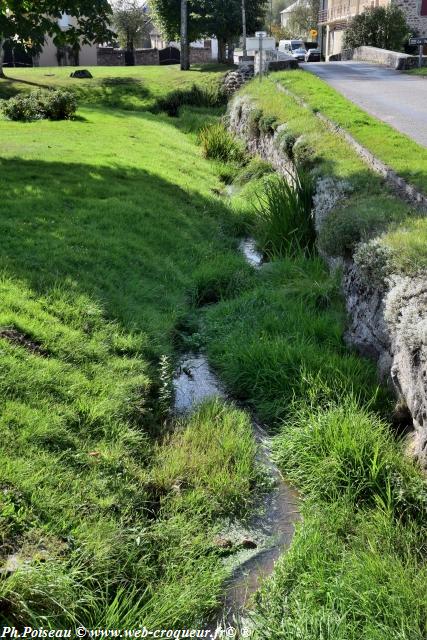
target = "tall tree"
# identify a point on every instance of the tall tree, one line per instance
(220, 18)
(28, 22)
(131, 22)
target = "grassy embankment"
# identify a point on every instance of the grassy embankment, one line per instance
(108, 227)
(356, 568)
(407, 241)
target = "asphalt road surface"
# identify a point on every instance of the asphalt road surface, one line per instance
(395, 97)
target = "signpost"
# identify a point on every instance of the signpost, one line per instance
(260, 35)
(420, 42)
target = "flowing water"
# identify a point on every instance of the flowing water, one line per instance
(253, 256)
(269, 532)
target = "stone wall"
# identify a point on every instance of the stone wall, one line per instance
(411, 9)
(387, 320)
(200, 55)
(392, 59)
(109, 57)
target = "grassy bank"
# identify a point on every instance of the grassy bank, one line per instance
(369, 210)
(356, 566)
(109, 227)
(397, 150)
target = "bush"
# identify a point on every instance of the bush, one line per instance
(284, 217)
(218, 144)
(39, 105)
(195, 96)
(383, 27)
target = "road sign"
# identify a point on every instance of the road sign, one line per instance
(260, 34)
(313, 33)
(419, 42)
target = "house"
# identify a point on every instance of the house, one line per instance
(53, 56)
(286, 14)
(336, 14)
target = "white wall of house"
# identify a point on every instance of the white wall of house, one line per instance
(48, 58)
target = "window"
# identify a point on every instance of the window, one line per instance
(423, 11)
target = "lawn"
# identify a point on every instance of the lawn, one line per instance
(106, 223)
(118, 87)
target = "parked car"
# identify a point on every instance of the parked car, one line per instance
(313, 55)
(299, 54)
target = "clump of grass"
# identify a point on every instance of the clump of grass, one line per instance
(284, 220)
(196, 95)
(211, 455)
(219, 144)
(254, 170)
(220, 278)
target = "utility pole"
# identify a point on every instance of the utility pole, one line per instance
(245, 51)
(185, 62)
(271, 18)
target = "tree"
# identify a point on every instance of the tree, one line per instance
(131, 22)
(303, 18)
(383, 27)
(207, 18)
(28, 22)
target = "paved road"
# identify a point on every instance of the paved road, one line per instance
(392, 96)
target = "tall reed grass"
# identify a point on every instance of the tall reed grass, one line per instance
(283, 215)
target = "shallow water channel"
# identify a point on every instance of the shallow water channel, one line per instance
(269, 531)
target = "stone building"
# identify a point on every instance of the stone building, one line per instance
(335, 15)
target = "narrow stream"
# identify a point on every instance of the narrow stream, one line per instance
(269, 532)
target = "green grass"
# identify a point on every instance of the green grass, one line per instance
(370, 209)
(400, 152)
(128, 88)
(418, 72)
(110, 230)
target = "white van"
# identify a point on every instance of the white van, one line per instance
(288, 46)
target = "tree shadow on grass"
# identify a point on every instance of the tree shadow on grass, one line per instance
(123, 236)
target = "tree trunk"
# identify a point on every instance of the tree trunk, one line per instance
(221, 51)
(2, 41)
(230, 54)
(185, 49)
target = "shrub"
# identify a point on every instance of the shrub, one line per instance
(383, 27)
(195, 96)
(218, 144)
(284, 218)
(38, 105)
(60, 105)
